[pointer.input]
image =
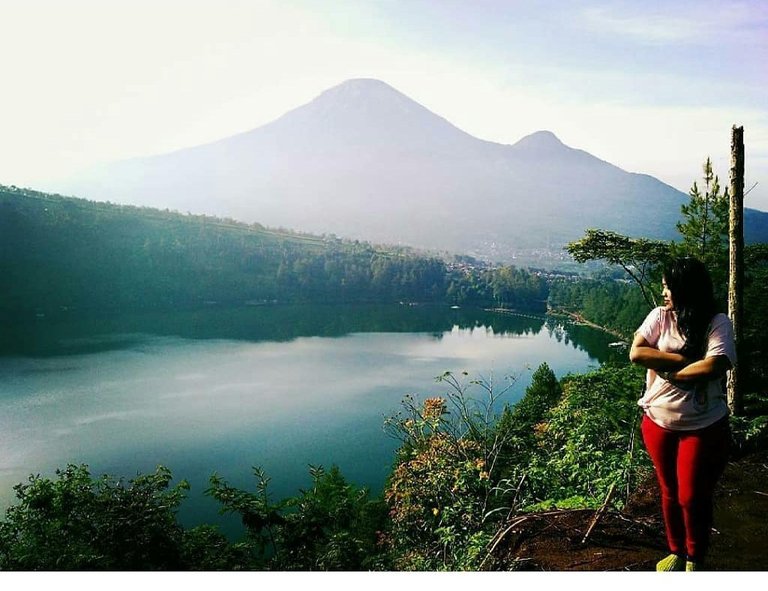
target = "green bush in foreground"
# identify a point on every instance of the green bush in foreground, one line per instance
(587, 443)
(332, 525)
(80, 523)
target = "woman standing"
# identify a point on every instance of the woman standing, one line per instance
(687, 348)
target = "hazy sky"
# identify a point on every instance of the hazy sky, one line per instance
(651, 86)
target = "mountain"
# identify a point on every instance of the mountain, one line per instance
(363, 160)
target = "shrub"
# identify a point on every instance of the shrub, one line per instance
(79, 523)
(443, 489)
(332, 525)
(587, 443)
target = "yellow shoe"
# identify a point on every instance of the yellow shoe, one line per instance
(691, 566)
(671, 563)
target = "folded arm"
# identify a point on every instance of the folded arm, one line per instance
(674, 366)
(703, 369)
(650, 357)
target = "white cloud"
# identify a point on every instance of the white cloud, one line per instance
(701, 23)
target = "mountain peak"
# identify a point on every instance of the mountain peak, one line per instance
(369, 112)
(369, 90)
(540, 141)
(363, 84)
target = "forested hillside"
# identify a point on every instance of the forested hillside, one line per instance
(62, 253)
(616, 305)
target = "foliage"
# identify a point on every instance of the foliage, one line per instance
(754, 351)
(565, 444)
(443, 487)
(587, 443)
(332, 525)
(64, 253)
(505, 287)
(79, 523)
(541, 395)
(614, 304)
(518, 423)
(461, 470)
(205, 548)
(750, 433)
(704, 229)
(517, 427)
(639, 257)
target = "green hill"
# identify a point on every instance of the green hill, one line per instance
(61, 253)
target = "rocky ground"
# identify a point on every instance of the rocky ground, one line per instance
(633, 540)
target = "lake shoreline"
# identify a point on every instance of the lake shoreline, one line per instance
(224, 389)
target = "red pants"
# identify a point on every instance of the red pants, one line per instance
(688, 465)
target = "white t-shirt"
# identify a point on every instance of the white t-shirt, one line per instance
(677, 407)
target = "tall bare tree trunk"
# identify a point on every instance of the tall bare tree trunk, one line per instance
(736, 263)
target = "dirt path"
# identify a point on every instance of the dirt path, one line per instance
(633, 540)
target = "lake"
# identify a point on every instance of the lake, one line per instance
(222, 390)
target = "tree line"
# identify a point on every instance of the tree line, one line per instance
(65, 253)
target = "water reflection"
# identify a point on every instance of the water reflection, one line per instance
(77, 333)
(223, 390)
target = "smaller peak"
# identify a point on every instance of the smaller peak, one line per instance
(539, 140)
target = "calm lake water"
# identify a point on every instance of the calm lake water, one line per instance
(279, 387)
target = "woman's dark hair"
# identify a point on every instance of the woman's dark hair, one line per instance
(693, 297)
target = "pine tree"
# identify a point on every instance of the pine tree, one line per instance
(704, 230)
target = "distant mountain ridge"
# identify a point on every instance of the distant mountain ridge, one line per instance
(363, 160)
